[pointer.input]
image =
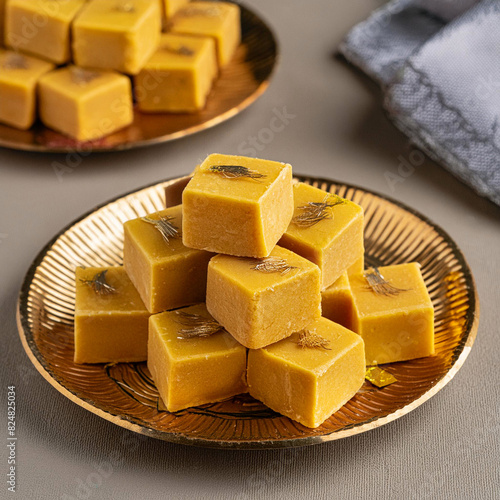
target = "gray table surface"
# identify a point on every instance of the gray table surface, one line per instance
(447, 448)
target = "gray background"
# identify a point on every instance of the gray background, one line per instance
(447, 448)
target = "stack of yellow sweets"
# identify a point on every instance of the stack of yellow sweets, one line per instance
(234, 282)
(111, 51)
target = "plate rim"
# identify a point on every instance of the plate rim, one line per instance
(179, 134)
(178, 438)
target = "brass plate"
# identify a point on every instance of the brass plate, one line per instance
(124, 393)
(240, 83)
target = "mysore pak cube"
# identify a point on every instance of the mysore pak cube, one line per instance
(174, 190)
(116, 34)
(357, 267)
(237, 205)
(326, 229)
(85, 104)
(309, 375)
(170, 7)
(219, 20)
(42, 27)
(261, 301)
(179, 75)
(393, 313)
(166, 273)
(19, 75)
(193, 360)
(111, 322)
(337, 302)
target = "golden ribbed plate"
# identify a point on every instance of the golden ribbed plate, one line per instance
(239, 84)
(125, 394)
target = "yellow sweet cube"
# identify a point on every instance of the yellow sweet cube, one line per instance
(337, 302)
(394, 315)
(170, 7)
(179, 75)
(116, 34)
(192, 360)
(173, 192)
(309, 375)
(357, 267)
(219, 20)
(42, 27)
(85, 104)
(261, 301)
(237, 205)
(111, 322)
(325, 229)
(166, 273)
(19, 75)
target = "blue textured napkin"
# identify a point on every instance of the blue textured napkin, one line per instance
(438, 62)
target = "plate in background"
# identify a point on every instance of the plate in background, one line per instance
(239, 84)
(125, 394)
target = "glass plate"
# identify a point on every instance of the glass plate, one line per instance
(239, 84)
(124, 393)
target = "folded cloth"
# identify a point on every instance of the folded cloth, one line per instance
(438, 62)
